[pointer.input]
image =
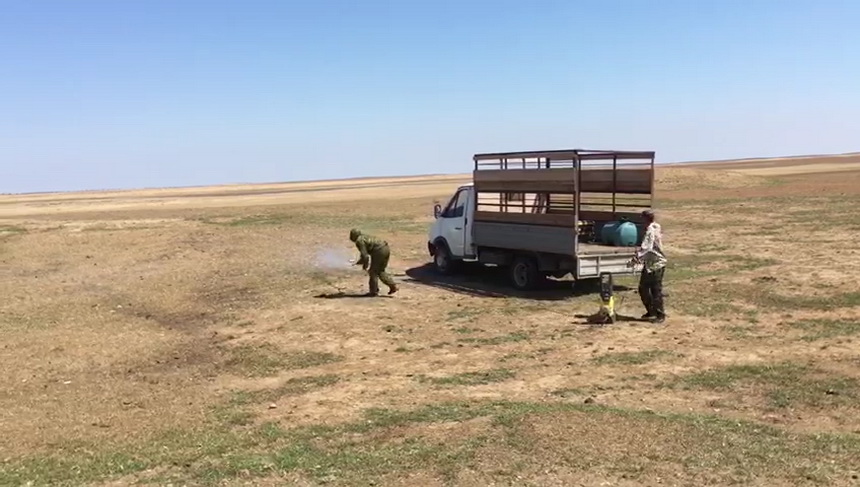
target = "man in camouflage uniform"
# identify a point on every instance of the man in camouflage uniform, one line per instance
(650, 255)
(374, 254)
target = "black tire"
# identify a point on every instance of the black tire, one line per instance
(525, 274)
(442, 261)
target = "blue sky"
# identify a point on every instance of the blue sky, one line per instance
(107, 94)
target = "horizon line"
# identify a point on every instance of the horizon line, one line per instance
(427, 175)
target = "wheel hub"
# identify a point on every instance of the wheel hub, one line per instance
(521, 274)
(441, 259)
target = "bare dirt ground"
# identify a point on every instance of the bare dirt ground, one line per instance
(195, 337)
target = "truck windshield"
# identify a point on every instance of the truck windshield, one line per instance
(456, 206)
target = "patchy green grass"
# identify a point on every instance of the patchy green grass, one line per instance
(686, 266)
(391, 223)
(843, 214)
(530, 355)
(266, 360)
(497, 340)
(822, 329)
(758, 205)
(11, 230)
(708, 309)
(469, 378)
(529, 438)
(639, 377)
(718, 298)
(467, 314)
(307, 359)
(570, 392)
(763, 231)
(271, 219)
(726, 377)
(744, 332)
(753, 316)
(514, 306)
(632, 358)
(783, 384)
(255, 361)
(714, 248)
(230, 415)
(741, 263)
(104, 227)
(682, 266)
(293, 387)
(765, 297)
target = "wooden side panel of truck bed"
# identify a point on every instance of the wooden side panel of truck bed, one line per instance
(629, 181)
(531, 238)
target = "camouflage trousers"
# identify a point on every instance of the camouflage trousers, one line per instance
(376, 272)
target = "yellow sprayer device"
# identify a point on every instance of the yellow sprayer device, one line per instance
(606, 314)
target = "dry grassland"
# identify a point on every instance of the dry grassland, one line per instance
(188, 336)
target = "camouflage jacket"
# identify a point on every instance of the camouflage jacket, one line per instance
(368, 245)
(650, 253)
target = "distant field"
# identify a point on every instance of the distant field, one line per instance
(232, 196)
(360, 189)
(786, 165)
(209, 336)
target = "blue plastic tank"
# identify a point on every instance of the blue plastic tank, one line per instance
(625, 235)
(607, 233)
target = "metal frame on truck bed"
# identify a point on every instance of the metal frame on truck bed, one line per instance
(560, 183)
(541, 212)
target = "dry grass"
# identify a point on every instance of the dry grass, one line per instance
(181, 336)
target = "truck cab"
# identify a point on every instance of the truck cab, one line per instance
(539, 214)
(450, 238)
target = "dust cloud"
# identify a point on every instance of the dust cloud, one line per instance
(331, 259)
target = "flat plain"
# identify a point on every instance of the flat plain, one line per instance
(215, 336)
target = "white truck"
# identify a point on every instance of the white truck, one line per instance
(541, 214)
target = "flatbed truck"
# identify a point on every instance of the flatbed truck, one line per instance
(541, 214)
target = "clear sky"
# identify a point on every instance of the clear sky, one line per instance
(118, 94)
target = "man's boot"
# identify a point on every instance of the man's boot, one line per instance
(393, 289)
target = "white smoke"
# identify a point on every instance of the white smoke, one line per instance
(332, 260)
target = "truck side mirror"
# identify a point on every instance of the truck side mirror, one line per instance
(437, 210)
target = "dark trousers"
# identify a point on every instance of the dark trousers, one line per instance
(651, 291)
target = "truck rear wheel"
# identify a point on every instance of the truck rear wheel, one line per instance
(525, 274)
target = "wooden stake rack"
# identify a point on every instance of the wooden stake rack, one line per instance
(572, 188)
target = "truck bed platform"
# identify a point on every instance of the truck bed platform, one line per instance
(586, 249)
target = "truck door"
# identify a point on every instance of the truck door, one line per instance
(454, 220)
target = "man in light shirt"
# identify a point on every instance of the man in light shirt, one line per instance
(650, 255)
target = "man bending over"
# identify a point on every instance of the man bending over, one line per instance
(374, 254)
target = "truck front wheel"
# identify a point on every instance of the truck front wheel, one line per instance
(442, 261)
(525, 274)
